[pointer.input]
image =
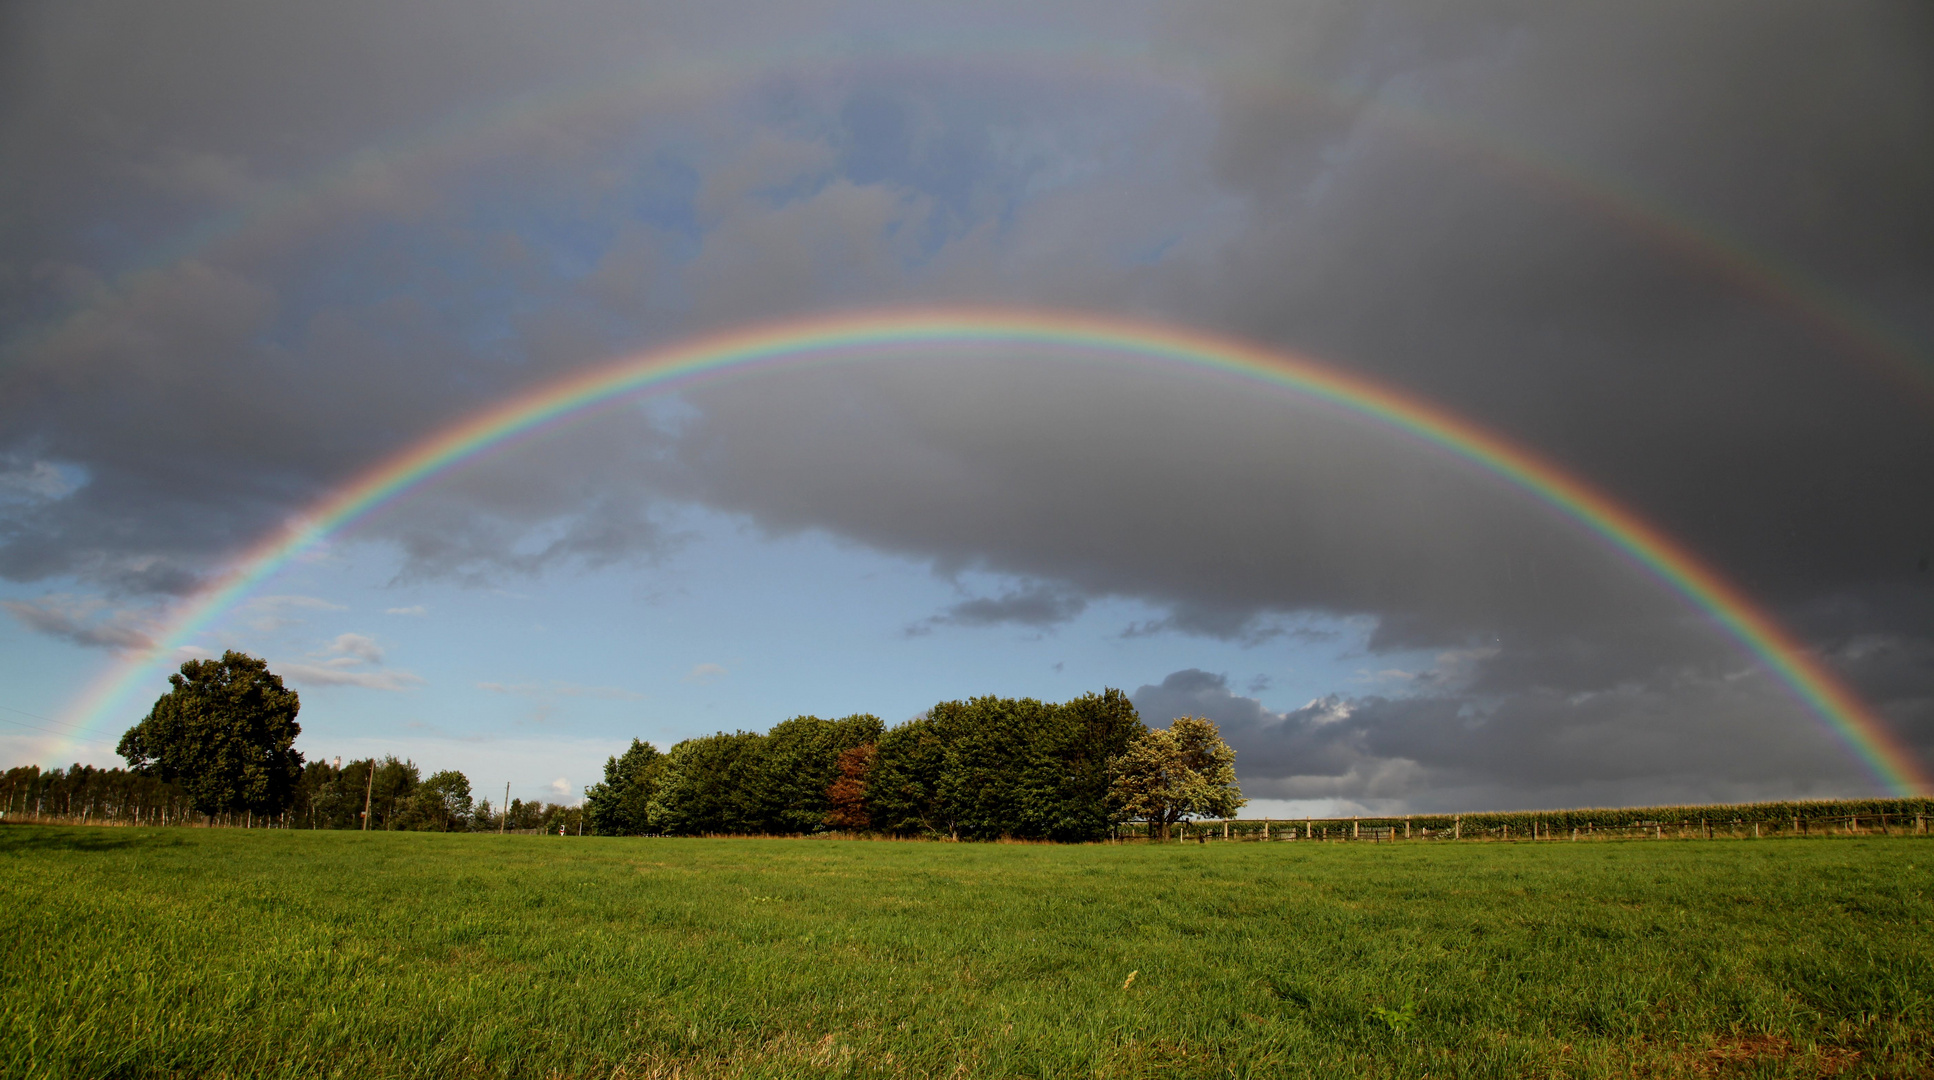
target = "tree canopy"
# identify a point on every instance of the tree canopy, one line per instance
(980, 768)
(1182, 771)
(620, 805)
(225, 733)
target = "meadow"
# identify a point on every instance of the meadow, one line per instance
(136, 952)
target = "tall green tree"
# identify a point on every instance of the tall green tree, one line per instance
(1064, 786)
(620, 804)
(442, 803)
(1171, 774)
(903, 785)
(225, 733)
(989, 751)
(712, 784)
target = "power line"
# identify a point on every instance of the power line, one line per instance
(37, 716)
(34, 727)
(73, 729)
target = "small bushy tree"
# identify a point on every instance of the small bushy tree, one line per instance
(1171, 774)
(442, 803)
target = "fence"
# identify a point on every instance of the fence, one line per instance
(1562, 825)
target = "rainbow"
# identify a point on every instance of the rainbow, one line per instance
(832, 338)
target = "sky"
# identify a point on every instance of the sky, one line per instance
(1682, 251)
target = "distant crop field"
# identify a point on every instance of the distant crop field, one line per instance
(187, 952)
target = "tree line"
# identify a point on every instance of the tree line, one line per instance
(221, 744)
(979, 769)
(327, 796)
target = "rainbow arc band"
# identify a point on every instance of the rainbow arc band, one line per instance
(828, 338)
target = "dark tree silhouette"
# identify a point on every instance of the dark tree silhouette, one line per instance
(226, 734)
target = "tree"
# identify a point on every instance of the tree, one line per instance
(846, 796)
(442, 802)
(801, 763)
(711, 785)
(1170, 774)
(225, 733)
(903, 784)
(1064, 787)
(988, 743)
(620, 804)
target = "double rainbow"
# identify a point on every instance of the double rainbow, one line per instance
(831, 338)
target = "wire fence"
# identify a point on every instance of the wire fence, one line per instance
(1907, 817)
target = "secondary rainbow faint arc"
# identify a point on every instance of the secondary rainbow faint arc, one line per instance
(1865, 733)
(1787, 287)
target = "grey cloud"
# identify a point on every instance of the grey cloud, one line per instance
(81, 622)
(1456, 750)
(307, 674)
(1040, 606)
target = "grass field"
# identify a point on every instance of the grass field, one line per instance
(185, 952)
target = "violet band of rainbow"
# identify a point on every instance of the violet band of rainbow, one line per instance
(1844, 714)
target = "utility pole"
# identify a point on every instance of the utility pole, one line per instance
(503, 826)
(369, 791)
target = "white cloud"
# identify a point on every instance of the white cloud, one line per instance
(323, 675)
(356, 647)
(562, 786)
(294, 601)
(414, 609)
(272, 613)
(350, 660)
(704, 673)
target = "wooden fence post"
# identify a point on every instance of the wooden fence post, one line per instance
(1457, 828)
(1406, 826)
(1355, 828)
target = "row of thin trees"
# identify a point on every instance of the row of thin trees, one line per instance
(329, 795)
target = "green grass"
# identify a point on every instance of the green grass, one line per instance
(133, 952)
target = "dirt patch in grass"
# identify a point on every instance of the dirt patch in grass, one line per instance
(1739, 1055)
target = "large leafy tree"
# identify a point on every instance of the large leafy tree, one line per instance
(620, 804)
(988, 743)
(1064, 786)
(712, 784)
(1170, 774)
(442, 803)
(225, 733)
(903, 784)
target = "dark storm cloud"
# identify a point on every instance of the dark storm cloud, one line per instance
(1428, 195)
(1440, 751)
